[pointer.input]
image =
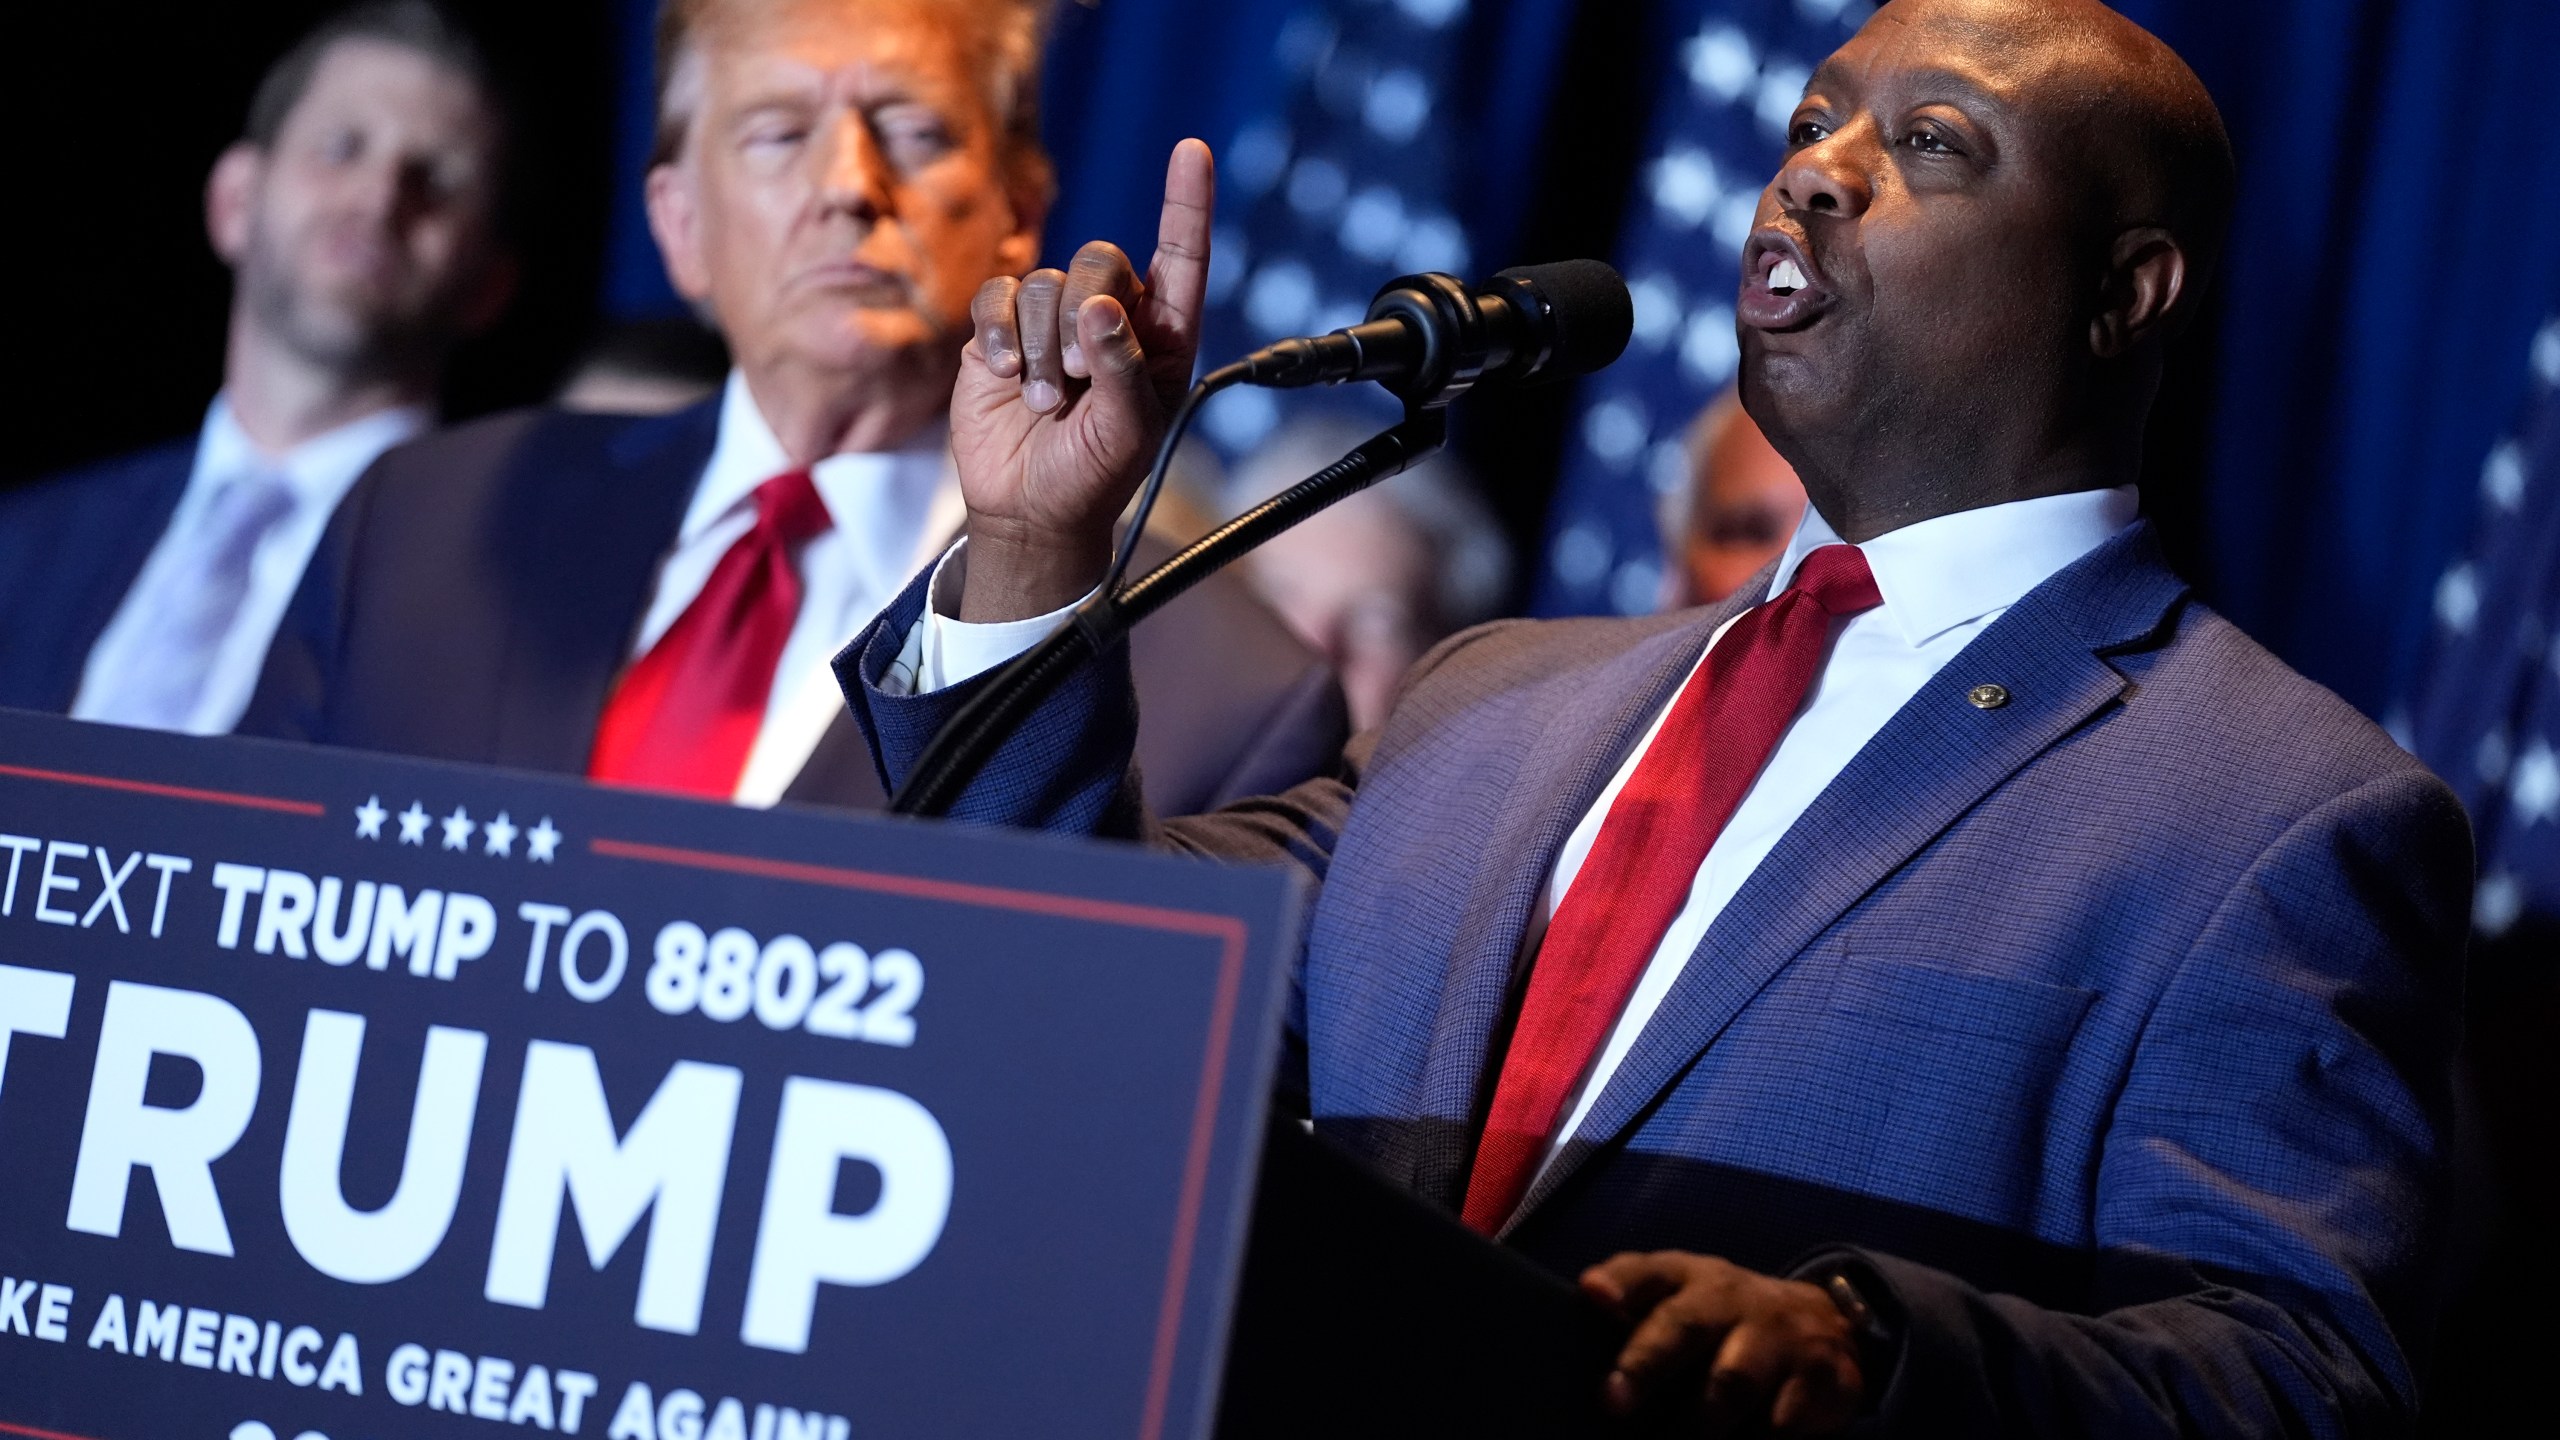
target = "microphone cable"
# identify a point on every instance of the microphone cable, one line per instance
(1223, 378)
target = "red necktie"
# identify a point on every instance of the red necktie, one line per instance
(1720, 731)
(686, 714)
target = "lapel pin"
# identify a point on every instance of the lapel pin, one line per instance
(1987, 697)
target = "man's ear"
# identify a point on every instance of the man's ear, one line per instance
(231, 199)
(675, 219)
(2144, 293)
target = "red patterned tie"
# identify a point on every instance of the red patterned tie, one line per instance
(1720, 731)
(686, 714)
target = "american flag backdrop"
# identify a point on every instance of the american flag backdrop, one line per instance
(1383, 159)
(1351, 181)
(1718, 128)
(2488, 715)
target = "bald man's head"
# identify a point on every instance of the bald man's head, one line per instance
(1991, 216)
(2148, 134)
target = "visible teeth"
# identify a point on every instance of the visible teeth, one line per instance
(1786, 279)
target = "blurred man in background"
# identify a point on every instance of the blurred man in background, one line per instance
(1735, 515)
(653, 601)
(358, 215)
(1379, 578)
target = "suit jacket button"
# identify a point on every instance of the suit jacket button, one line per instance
(1987, 697)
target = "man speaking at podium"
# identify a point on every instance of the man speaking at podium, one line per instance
(652, 601)
(1960, 980)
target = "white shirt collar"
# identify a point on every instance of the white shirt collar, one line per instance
(321, 469)
(1943, 572)
(748, 453)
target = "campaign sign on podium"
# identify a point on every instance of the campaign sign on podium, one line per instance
(351, 1097)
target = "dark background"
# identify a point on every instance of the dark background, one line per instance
(116, 330)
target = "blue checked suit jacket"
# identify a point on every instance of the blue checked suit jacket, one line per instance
(2112, 1026)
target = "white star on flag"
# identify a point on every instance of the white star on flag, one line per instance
(2535, 789)
(541, 842)
(502, 836)
(369, 818)
(457, 829)
(2497, 903)
(413, 824)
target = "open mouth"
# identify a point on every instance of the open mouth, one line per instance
(1781, 288)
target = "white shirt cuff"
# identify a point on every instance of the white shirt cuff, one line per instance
(940, 652)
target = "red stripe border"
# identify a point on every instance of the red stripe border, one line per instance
(35, 1434)
(1228, 931)
(172, 792)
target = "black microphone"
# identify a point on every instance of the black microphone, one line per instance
(1430, 338)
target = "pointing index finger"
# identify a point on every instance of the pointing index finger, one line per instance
(1178, 277)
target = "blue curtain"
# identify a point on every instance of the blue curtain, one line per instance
(2398, 241)
(635, 283)
(1125, 82)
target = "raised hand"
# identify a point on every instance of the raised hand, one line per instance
(1727, 1351)
(1063, 397)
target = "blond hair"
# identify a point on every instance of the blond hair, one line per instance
(1009, 39)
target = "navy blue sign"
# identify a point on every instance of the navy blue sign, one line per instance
(344, 1097)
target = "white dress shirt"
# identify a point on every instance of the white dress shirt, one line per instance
(1944, 581)
(940, 652)
(318, 472)
(890, 509)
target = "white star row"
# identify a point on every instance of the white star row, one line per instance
(498, 837)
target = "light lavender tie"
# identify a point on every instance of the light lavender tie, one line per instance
(189, 607)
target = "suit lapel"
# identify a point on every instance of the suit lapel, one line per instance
(162, 477)
(1937, 757)
(583, 557)
(141, 517)
(840, 772)
(1587, 722)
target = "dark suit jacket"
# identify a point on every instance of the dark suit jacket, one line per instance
(70, 547)
(2111, 1026)
(476, 596)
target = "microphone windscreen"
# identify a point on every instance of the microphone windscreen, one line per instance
(1593, 314)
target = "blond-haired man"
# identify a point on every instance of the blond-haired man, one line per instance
(653, 601)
